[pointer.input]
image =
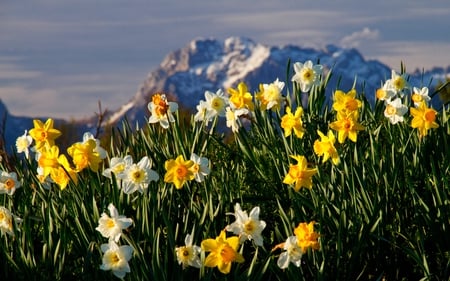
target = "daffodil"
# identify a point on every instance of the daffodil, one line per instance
(200, 167)
(293, 122)
(424, 119)
(306, 236)
(307, 75)
(161, 110)
(398, 83)
(347, 126)
(346, 102)
(111, 226)
(85, 154)
(8, 182)
(23, 143)
(137, 177)
(240, 98)
(63, 173)
(98, 149)
(178, 171)
(270, 95)
(48, 160)
(223, 251)
(325, 147)
(419, 96)
(7, 221)
(117, 166)
(232, 117)
(300, 175)
(44, 134)
(386, 92)
(292, 254)
(188, 255)
(247, 227)
(395, 110)
(115, 258)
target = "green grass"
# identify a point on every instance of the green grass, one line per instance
(383, 213)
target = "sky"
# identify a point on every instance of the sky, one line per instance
(59, 58)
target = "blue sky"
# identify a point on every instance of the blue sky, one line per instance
(60, 57)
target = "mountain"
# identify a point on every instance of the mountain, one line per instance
(211, 64)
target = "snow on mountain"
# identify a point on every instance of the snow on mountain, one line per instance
(210, 64)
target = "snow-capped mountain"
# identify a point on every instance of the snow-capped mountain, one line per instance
(210, 64)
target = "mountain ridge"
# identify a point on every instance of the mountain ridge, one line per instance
(211, 64)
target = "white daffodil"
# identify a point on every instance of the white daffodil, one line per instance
(200, 167)
(137, 176)
(111, 226)
(248, 227)
(307, 75)
(420, 95)
(188, 255)
(8, 182)
(23, 143)
(6, 221)
(292, 254)
(395, 110)
(118, 166)
(161, 110)
(115, 258)
(398, 83)
(271, 96)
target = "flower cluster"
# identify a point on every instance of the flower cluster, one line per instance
(392, 93)
(223, 250)
(54, 167)
(115, 257)
(295, 246)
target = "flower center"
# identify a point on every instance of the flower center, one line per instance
(227, 253)
(195, 168)
(10, 184)
(351, 104)
(399, 83)
(43, 135)
(390, 110)
(181, 171)
(416, 98)
(249, 226)
(217, 104)
(307, 74)
(430, 116)
(381, 94)
(137, 175)
(110, 223)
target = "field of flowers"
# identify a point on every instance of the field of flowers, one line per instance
(275, 183)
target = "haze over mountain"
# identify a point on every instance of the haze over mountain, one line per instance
(210, 64)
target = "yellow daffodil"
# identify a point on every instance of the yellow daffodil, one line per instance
(293, 122)
(347, 126)
(306, 236)
(44, 134)
(325, 147)
(300, 175)
(240, 97)
(223, 252)
(63, 173)
(178, 171)
(424, 118)
(48, 160)
(270, 95)
(85, 155)
(346, 102)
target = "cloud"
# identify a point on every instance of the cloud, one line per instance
(359, 38)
